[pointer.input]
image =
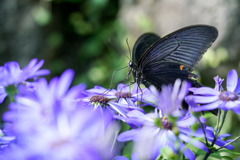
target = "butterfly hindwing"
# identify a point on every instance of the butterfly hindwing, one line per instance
(185, 46)
(166, 72)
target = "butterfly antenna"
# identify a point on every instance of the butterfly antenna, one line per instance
(129, 48)
(114, 84)
(109, 40)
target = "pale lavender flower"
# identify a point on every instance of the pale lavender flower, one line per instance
(76, 135)
(35, 108)
(170, 99)
(214, 98)
(11, 74)
(97, 100)
(156, 132)
(123, 91)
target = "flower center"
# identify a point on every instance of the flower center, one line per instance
(163, 123)
(166, 124)
(228, 96)
(59, 143)
(99, 99)
(123, 95)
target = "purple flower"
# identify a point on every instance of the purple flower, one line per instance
(123, 92)
(156, 132)
(49, 123)
(218, 83)
(11, 74)
(5, 140)
(97, 100)
(170, 99)
(214, 98)
(76, 135)
(35, 108)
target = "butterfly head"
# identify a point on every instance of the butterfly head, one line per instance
(130, 64)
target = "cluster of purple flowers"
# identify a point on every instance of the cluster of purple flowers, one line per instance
(53, 121)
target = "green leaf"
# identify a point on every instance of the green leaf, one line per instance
(216, 155)
(227, 158)
(127, 150)
(168, 153)
(228, 151)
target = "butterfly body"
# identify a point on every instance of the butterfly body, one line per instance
(160, 61)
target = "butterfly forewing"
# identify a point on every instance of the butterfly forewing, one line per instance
(185, 46)
(142, 44)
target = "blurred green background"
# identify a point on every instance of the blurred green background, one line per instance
(75, 34)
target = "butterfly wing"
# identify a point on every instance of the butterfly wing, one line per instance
(185, 46)
(142, 44)
(166, 72)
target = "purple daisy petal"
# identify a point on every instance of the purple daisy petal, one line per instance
(206, 91)
(224, 135)
(118, 107)
(237, 90)
(41, 72)
(189, 154)
(128, 135)
(206, 107)
(236, 110)
(232, 104)
(205, 99)
(121, 158)
(65, 82)
(197, 144)
(123, 88)
(3, 94)
(232, 80)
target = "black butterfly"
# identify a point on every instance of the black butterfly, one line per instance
(157, 61)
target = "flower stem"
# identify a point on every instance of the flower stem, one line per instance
(218, 118)
(220, 128)
(203, 131)
(207, 155)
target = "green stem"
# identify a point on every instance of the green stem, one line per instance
(205, 136)
(207, 155)
(218, 118)
(220, 128)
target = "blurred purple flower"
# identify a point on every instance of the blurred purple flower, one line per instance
(170, 99)
(35, 108)
(156, 132)
(5, 140)
(11, 74)
(76, 135)
(49, 124)
(214, 98)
